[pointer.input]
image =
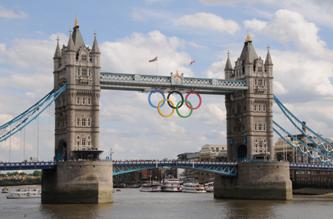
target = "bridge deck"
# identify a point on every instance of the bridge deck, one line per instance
(143, 83)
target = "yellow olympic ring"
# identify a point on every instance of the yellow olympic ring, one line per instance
(160, 111)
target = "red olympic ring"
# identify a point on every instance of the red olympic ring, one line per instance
(186, 100)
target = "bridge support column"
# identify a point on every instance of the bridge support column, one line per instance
(256, 180)
(78, 182)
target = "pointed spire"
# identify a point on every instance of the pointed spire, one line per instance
(77, 37)
(248, 54)
(70, 45)
(57, 53)
(228, 65)
(268, 60)
(95, 48)
(76, 23)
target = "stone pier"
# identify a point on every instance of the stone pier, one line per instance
(256, 180)
(78, 182)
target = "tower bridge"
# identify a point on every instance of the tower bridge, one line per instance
(77, 175)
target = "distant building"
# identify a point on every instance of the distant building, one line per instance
(213, 152)
(283, 151)
(194, 156)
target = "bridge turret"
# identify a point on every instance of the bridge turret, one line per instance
(57, 56)
(249, 113)
(228, 70)
(77, 110)
(268, 63)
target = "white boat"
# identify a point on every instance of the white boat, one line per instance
(4, 190)
(24, 194)
(171, 185)
(150, 187)
(193, 188)
(209, 187)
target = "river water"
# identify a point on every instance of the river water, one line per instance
(133, 204)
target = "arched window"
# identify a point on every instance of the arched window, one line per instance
(83, 122)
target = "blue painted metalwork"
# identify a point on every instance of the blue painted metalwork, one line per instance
(221, 168)
(27, 165)
(19, 122)
(144, 83)
(321, 142)
(123, 167)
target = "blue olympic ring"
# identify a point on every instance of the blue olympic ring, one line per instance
(156, 91)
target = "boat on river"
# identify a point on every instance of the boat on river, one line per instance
(22, 193)
(193, 188)
(171, 185)
(209, 187)
(151, 187)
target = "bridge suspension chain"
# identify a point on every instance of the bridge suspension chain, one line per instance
(311, 152)
(319, 141)
(21, 121)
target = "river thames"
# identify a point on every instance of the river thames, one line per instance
(131, 203)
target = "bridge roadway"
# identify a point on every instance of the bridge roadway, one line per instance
(122, 167)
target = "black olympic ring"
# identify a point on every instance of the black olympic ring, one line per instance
(180, 94)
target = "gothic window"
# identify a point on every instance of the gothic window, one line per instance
(77, 100)
(89, 100)
(83, 100)
(83, 141)
(255, 107)
(260, 127)
(83, 122)
(89, 122)
(78, 140)
(259, 107)
(84, 72)
(259, 82)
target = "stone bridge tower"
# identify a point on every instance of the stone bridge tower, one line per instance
(79, 177)
(249, 133)
(77, 110)
(249, 113)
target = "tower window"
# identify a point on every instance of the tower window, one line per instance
(84, 72)
(83, 122)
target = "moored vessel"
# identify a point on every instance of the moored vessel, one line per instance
(193, 188)
(21, 193)
(209, 187)
(150, 187)
(171, 185)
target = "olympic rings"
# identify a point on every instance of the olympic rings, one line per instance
(160, 103)
(178, 106)
(181, 96)
(155, 91)
(174, 107)
(187, 102)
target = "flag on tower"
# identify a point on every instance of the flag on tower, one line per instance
(154, 59)
(192, 62)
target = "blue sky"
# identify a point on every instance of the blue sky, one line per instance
(132, 32)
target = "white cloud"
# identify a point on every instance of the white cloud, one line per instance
(289, 26)
(11, 14)
(255, 24)
(319, 11)
(131, 54)
(208, 21)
